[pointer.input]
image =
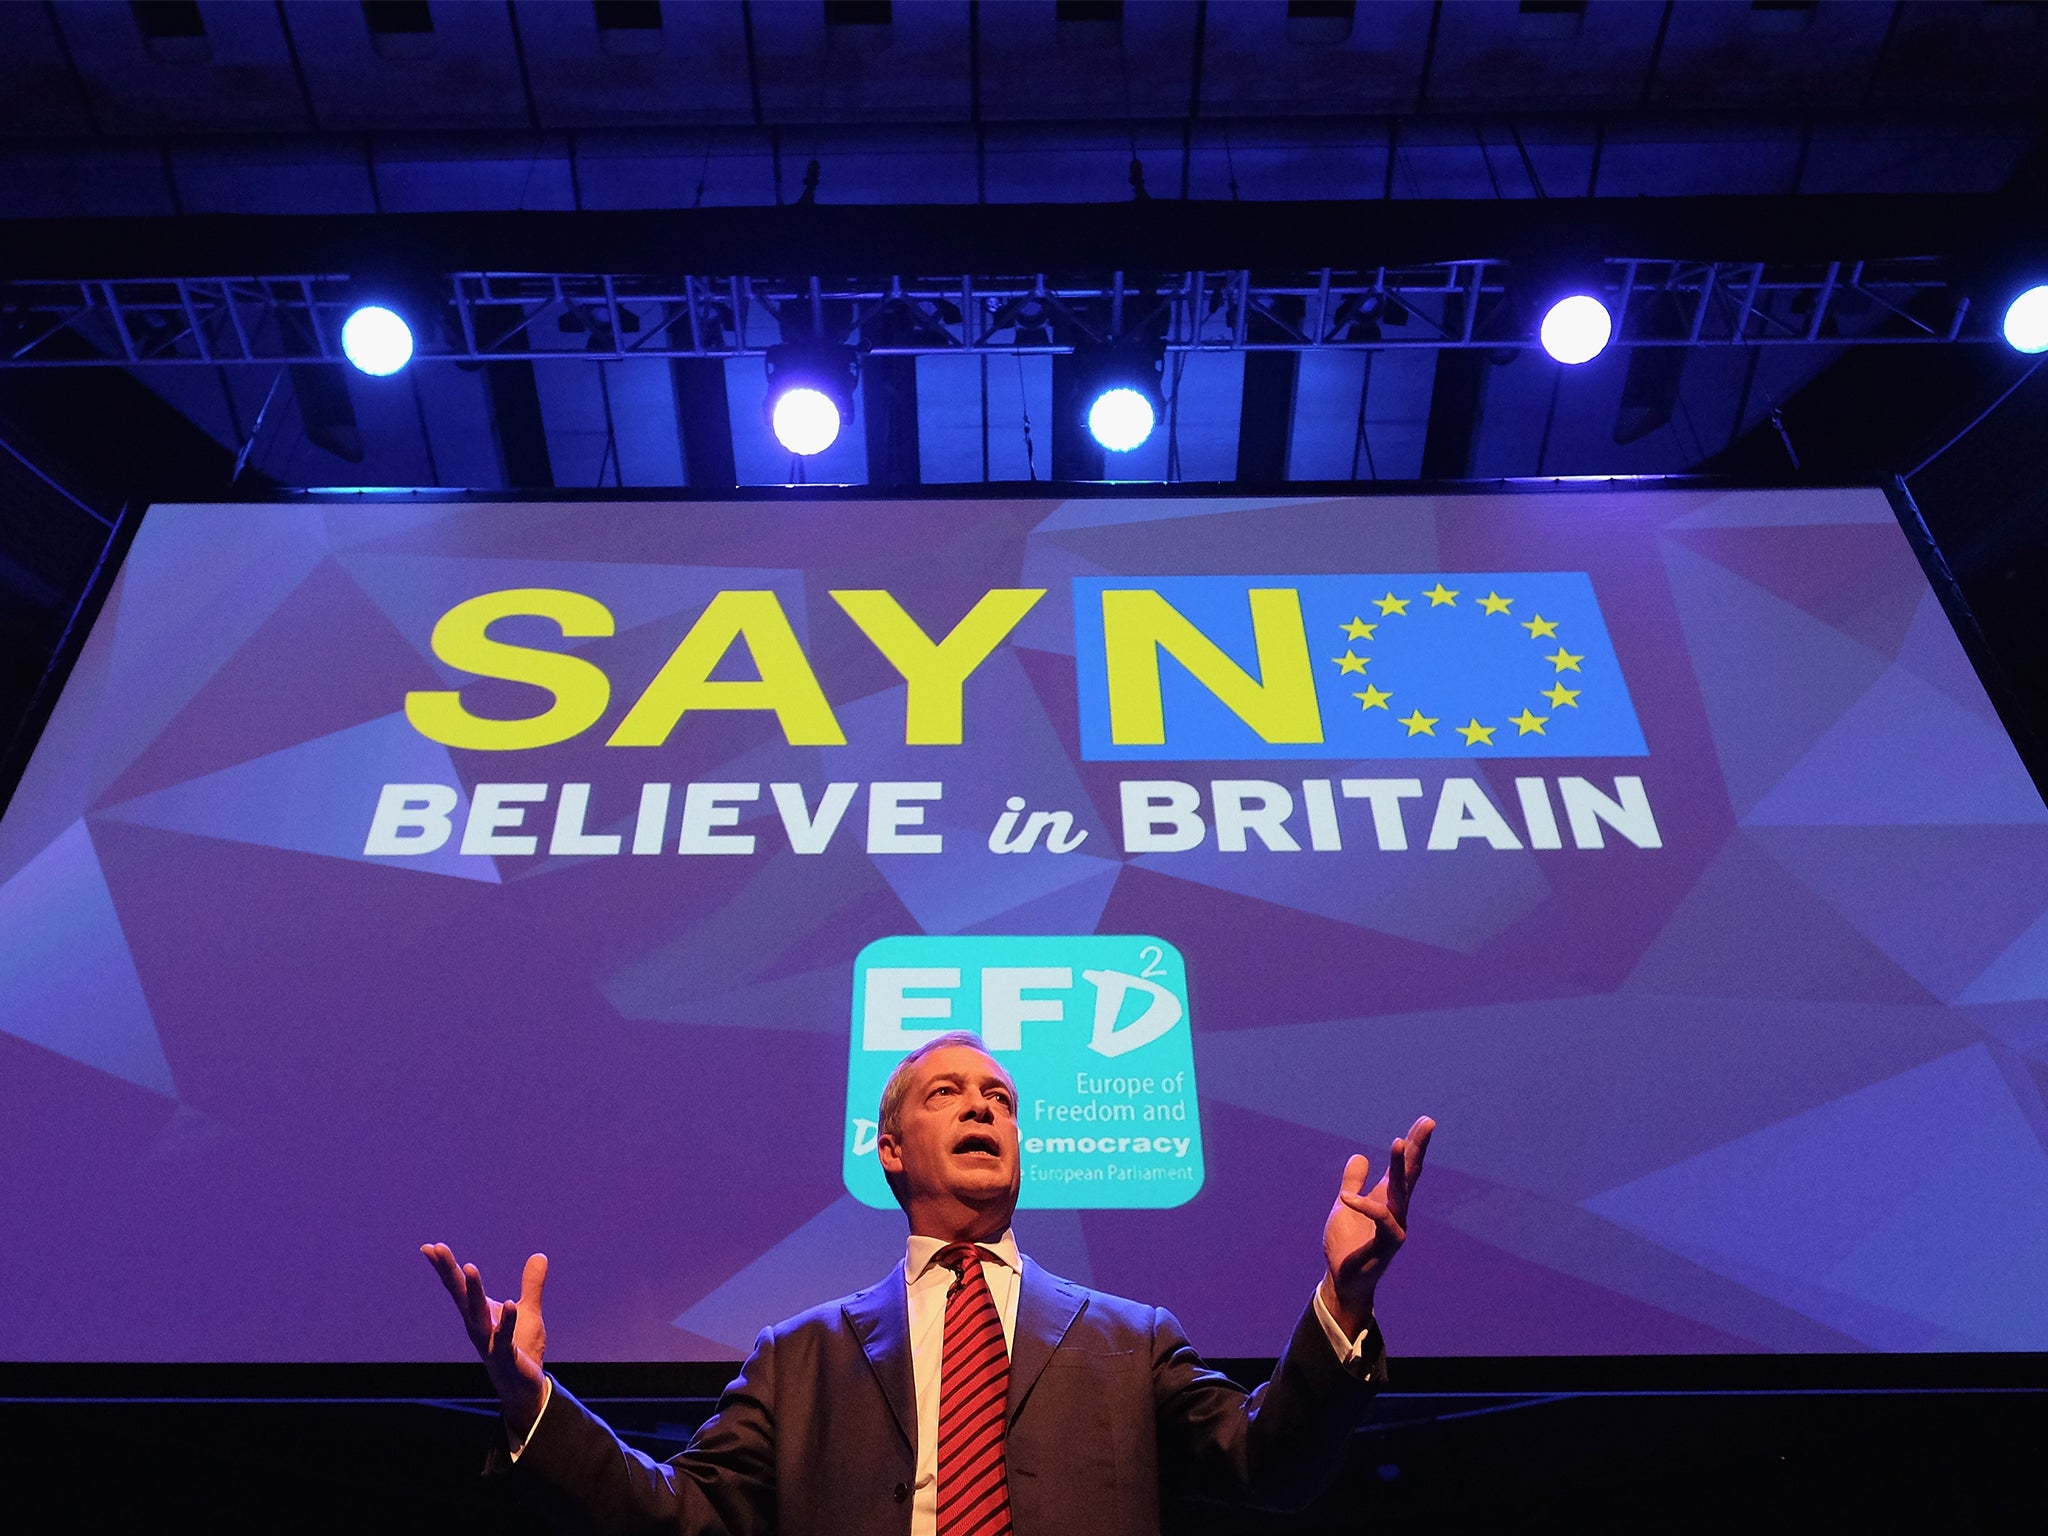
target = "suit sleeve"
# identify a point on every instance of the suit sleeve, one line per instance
(584, 1479)
(1279, 1446)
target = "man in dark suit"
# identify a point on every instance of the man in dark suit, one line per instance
(970, 1393)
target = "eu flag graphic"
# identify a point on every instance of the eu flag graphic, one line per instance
(1445, 664)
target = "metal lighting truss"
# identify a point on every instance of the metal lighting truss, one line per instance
(481, 316)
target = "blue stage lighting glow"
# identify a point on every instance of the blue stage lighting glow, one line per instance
(1121, 419)
(2026, 321)
(376, 340)
(806, 421)
(1577, 329)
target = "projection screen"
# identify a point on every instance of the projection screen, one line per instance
(566, 875)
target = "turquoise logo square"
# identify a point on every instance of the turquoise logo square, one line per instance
(1094, 1028)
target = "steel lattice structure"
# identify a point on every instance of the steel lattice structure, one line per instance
(476, 317)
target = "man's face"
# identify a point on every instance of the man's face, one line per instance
(955, 1146)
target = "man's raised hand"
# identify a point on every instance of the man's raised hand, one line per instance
(1365, 1231)
(509, 1335)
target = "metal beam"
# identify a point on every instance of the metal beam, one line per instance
(1478, 303)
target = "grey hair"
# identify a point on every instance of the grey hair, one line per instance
(889, 1118)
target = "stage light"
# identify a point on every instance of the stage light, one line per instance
(1120, 418)
(377, 340)
(805, 421)
(1576, 329)
(1119, 390)
(2026, 321)
(810, 394)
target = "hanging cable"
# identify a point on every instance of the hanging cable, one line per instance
(611, 433)
(1363, 439)
(1785, 437)
(1024, 400)
(703, 171)
(242, 458)
(1180, 363)
(1976, 422)
(1137, 171)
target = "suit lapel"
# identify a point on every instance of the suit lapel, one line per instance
(880, 1317)
(1046, 1309)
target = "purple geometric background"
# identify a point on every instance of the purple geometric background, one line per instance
(1777, 1085)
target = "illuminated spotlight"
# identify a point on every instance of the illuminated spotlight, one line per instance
(1119, 385)
(377, 340)
(1576, 329)
(1120, 418)
(2026, 321)
(805, 420)
(810, 394)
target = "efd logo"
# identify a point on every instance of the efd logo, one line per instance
(1094, 1028)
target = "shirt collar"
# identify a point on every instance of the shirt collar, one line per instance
(924, 1249)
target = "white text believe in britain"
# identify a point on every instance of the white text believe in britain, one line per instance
(1158, 815)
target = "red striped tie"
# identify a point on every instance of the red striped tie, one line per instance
(974, 1404)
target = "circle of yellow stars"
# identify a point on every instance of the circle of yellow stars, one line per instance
(1493, 605)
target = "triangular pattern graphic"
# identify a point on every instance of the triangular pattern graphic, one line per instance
(844, 1248)
(1049, 626)
(1575, 1242)
(728, 949)
(1074, 908)
(1905, 754)
(364, 523)
(1057, 1241)
(816, 1002)
(318, 797)
(1789, 509)
(1943, 902)
(1879, 1171)
(1267, 538)
(416, 590)
(966, 885)
(1771, 677)
(1471, 1067)
(210, 578)
(2020, 973)
(1932, 652)
(1747, 928)
(1456, 900)
(2022, 1025)
(265, 697)
(65, 970)
(58, 785)
(1845, 575)
(944, 903)
(1112, 511)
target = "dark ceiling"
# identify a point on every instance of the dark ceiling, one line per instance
(777, 141)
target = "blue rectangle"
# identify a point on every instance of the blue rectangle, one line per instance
(1457, 664)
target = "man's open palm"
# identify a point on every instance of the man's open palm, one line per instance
(509, 1336)
(1365, 1230)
